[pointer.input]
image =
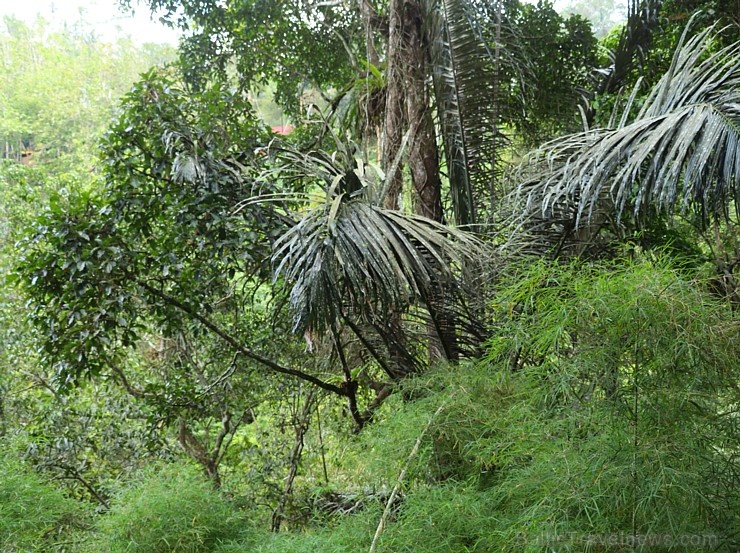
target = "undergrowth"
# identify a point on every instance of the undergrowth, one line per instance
(603, 418)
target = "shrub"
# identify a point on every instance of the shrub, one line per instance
(169, 509)
(34, 516)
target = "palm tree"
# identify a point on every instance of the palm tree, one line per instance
(347, 255)
(435, 50)
(465, 75)
(360, 272)
(680, 152)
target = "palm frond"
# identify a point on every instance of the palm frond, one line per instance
(464, 76)
(394, 279)
(681, 151)
(350, 255)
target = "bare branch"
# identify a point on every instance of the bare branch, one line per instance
(229, 339)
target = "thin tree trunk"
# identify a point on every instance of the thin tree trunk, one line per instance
(367, 12)
(395, 119)
(301, 428)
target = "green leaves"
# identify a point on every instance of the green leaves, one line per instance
(58, 90)
(163, 222)
(34, 515)
(169, 509)
(84, 302)
(533, 452)
(291, 43)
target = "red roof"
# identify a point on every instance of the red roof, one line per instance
(283, 129)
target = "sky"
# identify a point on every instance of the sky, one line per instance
(105, 18)
(101, 16)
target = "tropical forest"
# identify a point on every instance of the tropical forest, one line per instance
(419, 276)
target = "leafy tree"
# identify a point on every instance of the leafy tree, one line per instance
(58, 91)
(541, 96)
(703, 14)
(181, 377)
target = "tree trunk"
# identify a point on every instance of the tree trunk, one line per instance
(424, 166)
(395, 117)
(408, 103)
(301, 425)
(367, 13)
(423, 153)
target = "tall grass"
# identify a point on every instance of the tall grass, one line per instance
(34, 515)
(169, 509)
(604, 419)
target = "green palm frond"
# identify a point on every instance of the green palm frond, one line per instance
(681, 151)
(348, 255)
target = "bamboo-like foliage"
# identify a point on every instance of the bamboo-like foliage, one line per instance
(680, 151)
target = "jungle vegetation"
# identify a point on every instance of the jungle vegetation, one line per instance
(481, 295)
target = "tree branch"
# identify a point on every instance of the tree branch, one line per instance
(350, 386)
(71, 473)
(241, 419)
(229, 339)
(225, 430)
(135, 392)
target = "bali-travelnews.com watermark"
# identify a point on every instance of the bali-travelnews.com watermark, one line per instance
(694, 541)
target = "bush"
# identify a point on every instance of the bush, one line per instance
(34, 516)
(169, 509)
(604, 416)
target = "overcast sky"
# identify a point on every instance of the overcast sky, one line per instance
(101, 16)
(104, 17)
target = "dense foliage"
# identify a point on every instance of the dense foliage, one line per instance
(380, 331)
